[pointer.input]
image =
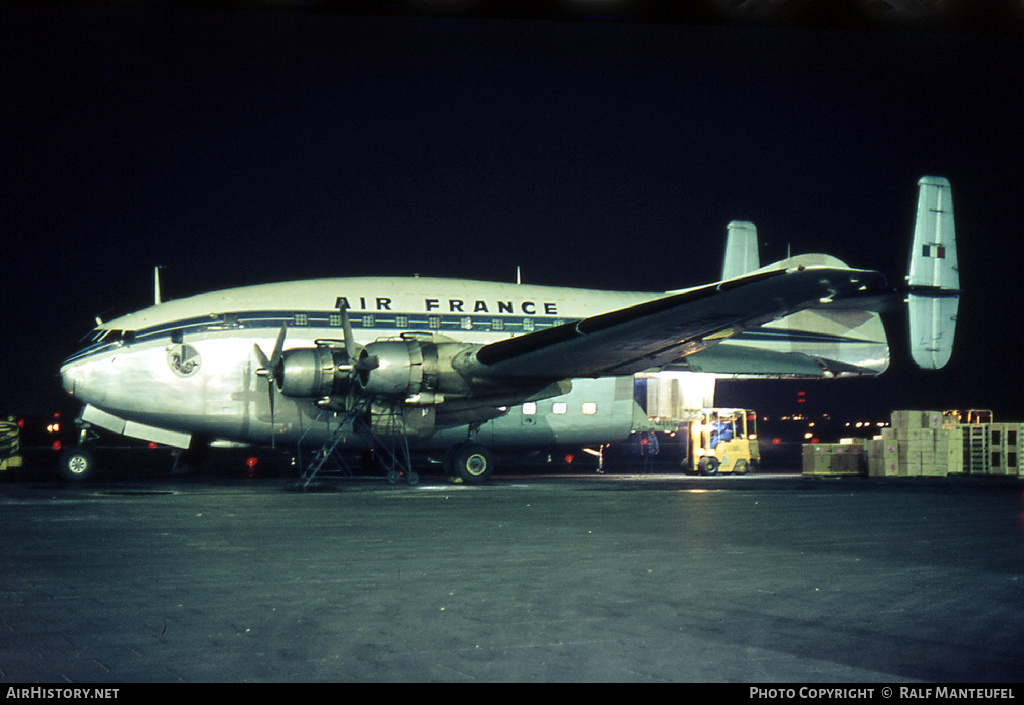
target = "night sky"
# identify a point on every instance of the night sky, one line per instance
(239, 147)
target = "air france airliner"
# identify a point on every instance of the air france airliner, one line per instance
(466, 367)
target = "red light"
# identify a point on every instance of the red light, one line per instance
(21, 423)
(56, 445)
(251, 461)
(569, 458)
(776, 441)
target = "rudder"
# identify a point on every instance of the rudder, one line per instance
(934, 279)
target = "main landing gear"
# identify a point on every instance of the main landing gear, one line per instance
(470, 463)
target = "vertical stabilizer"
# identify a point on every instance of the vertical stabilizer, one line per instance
(934, 279)
(741, 253)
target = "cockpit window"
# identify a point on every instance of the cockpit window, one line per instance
(111, 335)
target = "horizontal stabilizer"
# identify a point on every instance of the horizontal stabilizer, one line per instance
(934, 279)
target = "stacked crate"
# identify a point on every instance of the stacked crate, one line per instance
(927, 444)
(834, 459)
(918, 444)
(883, 454)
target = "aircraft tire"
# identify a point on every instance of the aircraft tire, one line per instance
(77, 465)
(472, 463)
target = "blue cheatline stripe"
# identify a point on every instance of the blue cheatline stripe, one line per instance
(385, 320)
(418, 321)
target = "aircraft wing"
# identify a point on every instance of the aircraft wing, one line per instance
(655, 333)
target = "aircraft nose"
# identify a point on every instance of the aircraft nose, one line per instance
(70, 375)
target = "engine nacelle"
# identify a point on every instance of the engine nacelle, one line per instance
(418, 372)
(314, 372)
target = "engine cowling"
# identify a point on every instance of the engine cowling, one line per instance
(418, 372)
(320, 371)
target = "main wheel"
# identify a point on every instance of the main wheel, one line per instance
(708, 465)
(77, 465)
(472, 463)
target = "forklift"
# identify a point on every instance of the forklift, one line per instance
(10, 452)
(722, 441)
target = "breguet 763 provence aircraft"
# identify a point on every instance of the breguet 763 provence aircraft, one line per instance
(466, 367)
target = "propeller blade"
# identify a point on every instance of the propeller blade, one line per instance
(350, 340)
(271, 395)
(275, 357)
(271, 369)
(264, 368)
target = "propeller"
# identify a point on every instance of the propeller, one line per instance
(351, 372)
(271, 369)
(357, 362)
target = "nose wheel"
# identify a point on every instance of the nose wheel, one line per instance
(77, 465)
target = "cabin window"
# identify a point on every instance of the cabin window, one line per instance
(497, 324)
(589, 408)
(433, 322)
(529, 408)
(466, 323)
(301, 319)
(334, 320)
(177, 336)
(559, 407)
(368, 320)
(401, 321)
(527, 324)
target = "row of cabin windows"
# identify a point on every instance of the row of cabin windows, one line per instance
(433, 322)
(588, 408)
(108, 335)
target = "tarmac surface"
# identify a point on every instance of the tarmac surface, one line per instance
(759, 579)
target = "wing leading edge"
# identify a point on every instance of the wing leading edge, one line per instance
(656, 333)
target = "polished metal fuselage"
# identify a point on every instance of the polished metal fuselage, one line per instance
(186, 367)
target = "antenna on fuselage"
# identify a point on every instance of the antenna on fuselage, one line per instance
(519, 275)
(157, 298)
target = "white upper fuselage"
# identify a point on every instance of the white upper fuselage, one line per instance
(471, 309)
